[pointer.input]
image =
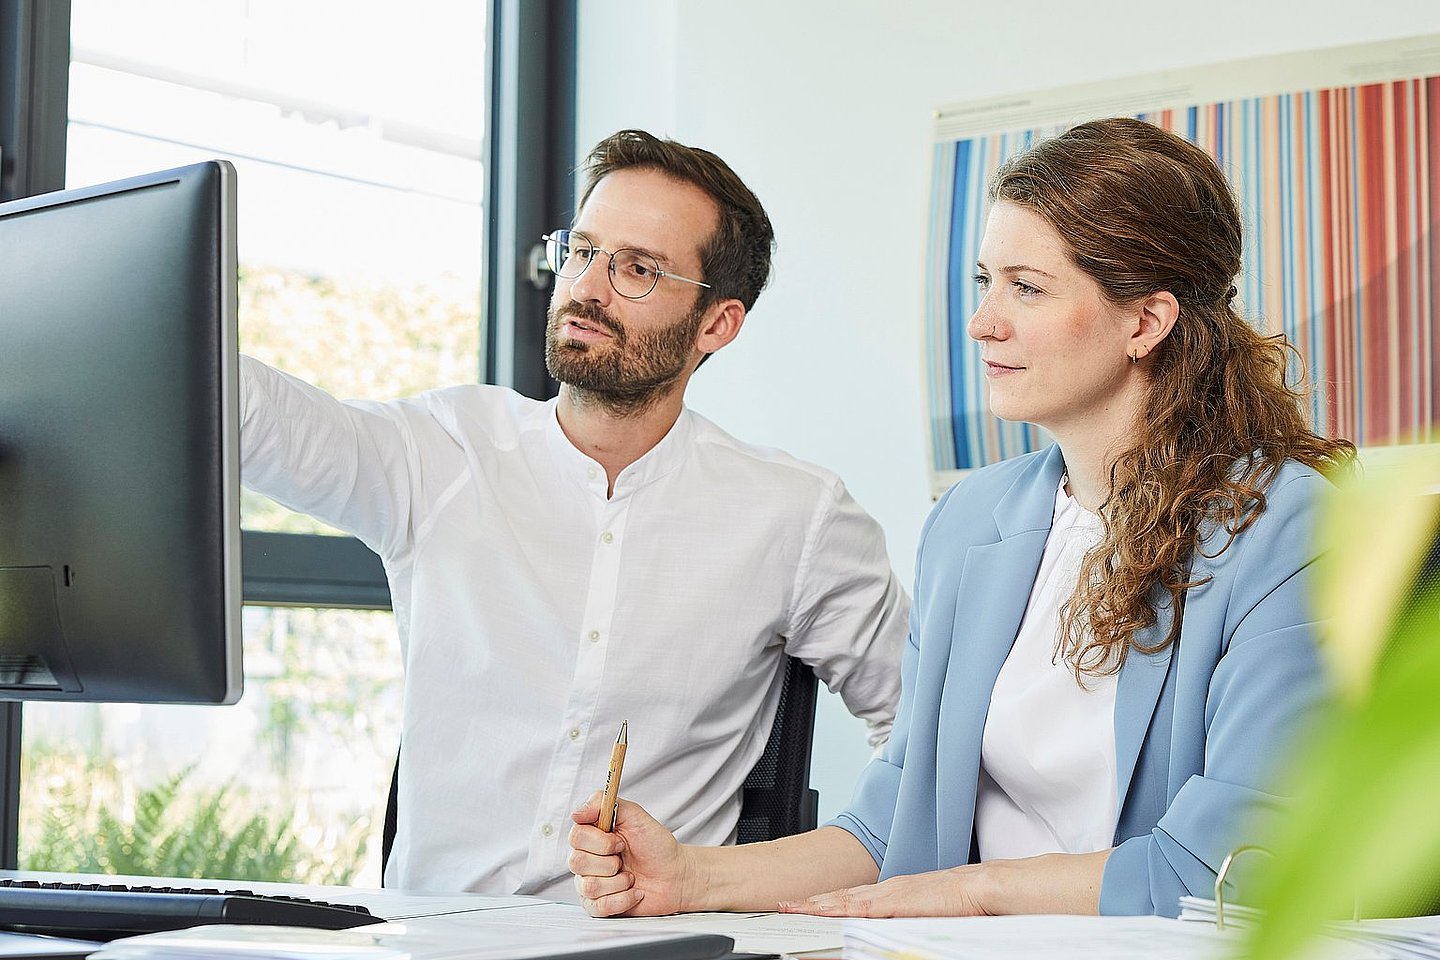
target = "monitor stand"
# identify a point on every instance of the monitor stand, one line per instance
(32, 645)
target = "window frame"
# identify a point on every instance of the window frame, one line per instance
(530, 147)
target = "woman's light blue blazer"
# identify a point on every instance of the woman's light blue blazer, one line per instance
(1199, 728)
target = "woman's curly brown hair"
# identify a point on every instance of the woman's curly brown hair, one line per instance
(1141, 211)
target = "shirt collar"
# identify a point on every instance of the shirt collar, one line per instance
(659, 461)
(1070, 510)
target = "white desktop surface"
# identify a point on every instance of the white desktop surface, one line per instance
(441, 926)
(400, 940)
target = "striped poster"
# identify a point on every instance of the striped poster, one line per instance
(1339, 189)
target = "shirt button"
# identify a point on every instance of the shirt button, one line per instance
(594, 635)
(546, 830)
(574, 733)
(608, 537)
(592, 473)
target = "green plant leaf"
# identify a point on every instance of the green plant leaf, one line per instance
(1373, 534)
(173, 828)
(1364, 825)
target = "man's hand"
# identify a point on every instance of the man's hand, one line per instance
(638, 870)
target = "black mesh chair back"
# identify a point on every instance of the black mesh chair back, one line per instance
(777, 799)
(387, 834)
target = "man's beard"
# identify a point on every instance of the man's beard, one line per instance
(628, 374)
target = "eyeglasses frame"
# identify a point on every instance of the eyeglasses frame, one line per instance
(660, 274)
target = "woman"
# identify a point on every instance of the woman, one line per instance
(1110, 644)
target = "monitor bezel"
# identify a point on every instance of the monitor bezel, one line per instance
(227, 308)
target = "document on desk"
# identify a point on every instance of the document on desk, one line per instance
(1035, 938)
(24, 946)
(425, 939)
(752, 932)
(1417, 938)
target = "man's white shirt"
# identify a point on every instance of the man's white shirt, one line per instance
(535, 614)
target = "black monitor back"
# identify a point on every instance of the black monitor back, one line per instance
(119, 477)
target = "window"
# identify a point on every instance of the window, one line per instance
(357, 136)
(361, 135)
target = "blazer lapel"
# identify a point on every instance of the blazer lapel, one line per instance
(994, 589)
(1137, 691)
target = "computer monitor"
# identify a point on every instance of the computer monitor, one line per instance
(119, 469)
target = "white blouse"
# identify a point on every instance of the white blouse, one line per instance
(1047, 763)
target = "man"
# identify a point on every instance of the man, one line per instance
(559, 567)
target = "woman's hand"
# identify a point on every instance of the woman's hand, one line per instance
(638, 870)
(940, 893)
(1049, 883)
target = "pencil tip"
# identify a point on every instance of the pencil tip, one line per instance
(624, 727)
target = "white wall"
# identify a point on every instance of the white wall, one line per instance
(824, 108)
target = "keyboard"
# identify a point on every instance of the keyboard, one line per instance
(97, 911)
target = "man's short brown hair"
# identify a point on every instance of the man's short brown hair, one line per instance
(736, 257)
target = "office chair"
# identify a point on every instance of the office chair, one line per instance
(776, 801)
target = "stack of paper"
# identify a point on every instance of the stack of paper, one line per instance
(1040, 938)
(424, 939)
(1404, 939)
(1408, 938)
(1202, 910)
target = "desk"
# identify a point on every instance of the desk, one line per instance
(454, 925)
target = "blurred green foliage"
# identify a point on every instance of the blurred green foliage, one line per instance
(1364, 833)
(173, 829)
(355, 338)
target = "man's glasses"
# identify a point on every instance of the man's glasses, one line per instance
(633, 273)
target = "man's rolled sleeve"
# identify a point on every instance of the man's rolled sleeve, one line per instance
(849, 617)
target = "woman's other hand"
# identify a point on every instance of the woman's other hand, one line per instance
(1049, 883)
(939, 893)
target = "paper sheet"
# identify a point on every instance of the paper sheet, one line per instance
(411, 940)
(1037, 938)
(753, 932)
(18, 945)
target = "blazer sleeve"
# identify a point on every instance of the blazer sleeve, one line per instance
(1267, 687)
(871, 811)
